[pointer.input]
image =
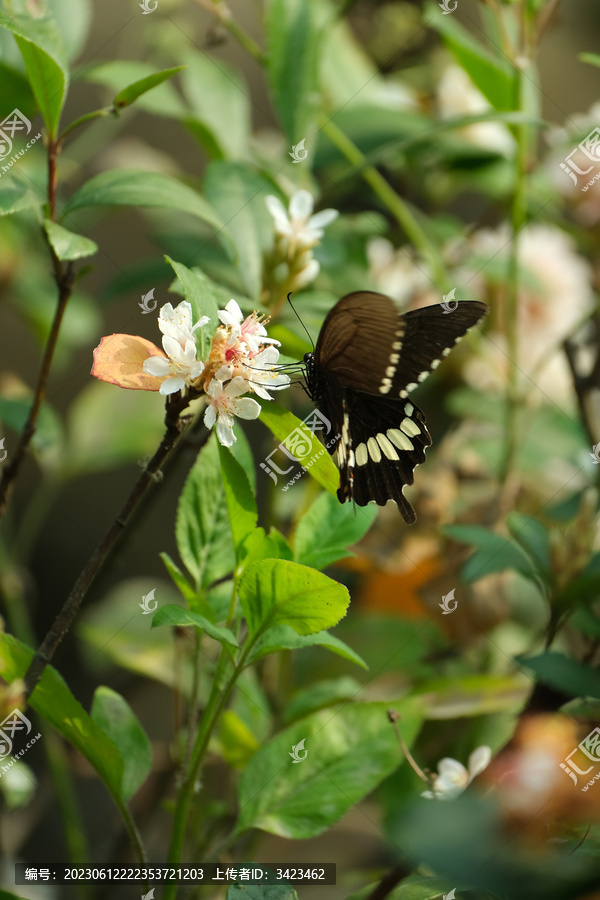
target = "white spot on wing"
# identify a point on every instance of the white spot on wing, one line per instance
(399, 439)
(410, 428)
(387, 447)
(362, 455)
(409, 409)
(374, 451)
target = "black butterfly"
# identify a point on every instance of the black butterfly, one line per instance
(368, 359)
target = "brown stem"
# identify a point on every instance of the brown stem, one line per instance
(64, 279)
(388, 883)
(66, 616)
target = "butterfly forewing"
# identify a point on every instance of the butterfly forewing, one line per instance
(368, 358)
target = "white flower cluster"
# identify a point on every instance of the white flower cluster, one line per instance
(242, 359)
(297, 233)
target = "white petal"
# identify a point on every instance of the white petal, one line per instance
(261, 392)
(246, 408)
(189, 353)
(236, 387)
(210, 416)
(429, 794)
(157, 365)
(172, 347)
(478, 761)
(197, 369)
(172, 385)
(224, 373)
(231, 315)
(225, 430)
(452, 769)
(202, 321)
(214, 389)
(323, 218)
(308, 274)
(279, 213)
(301, 205)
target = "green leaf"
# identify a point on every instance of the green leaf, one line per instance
(592, 58)
(116, 718)
(583, 589)
(66, 244)
(41, 47)
(564, 674)
(53, 700)
(176, 615)
(328, 528)
(349, 754)
(202, 528)
(283, 637)
(588, 623)
(131, 93)
(237, 193)
(282, 423)
(415, 887)
(277, 592)
(200, 292)
(116, 75)
(534, 539)
(48, 435)
(491, 74)
(243, 514)
(131, 187)
(321, 695)
(108, 428)
(494, 553)
(118, 633)
(238, 743)
(195, 602)
(220, 102)
(15, 197)
(259, 892)
(294, 36)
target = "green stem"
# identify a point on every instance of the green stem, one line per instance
(66, 799)
(134, 835)
(519, 217)
(388, 196)
(215, 705)
(95, 114)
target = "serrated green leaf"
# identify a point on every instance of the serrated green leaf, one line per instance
(326, 531)
(283, 637)
(116, 718)
(40, 44)
(564, 674)
(66, 244)
(15, 197)
(194, 601)
(130, 94)
(277, 592)
(202, 528)
(349, 754)
(200, 292)
(176, 615)
(282, 423)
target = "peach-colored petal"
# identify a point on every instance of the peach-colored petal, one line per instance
(119, 358)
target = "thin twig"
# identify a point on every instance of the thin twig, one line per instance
(388, 883)
(66, 616)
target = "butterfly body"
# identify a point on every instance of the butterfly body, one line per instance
(369, 357)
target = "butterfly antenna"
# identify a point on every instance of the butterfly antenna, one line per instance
(300, 320)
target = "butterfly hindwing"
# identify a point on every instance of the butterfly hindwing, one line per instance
(368, 359)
